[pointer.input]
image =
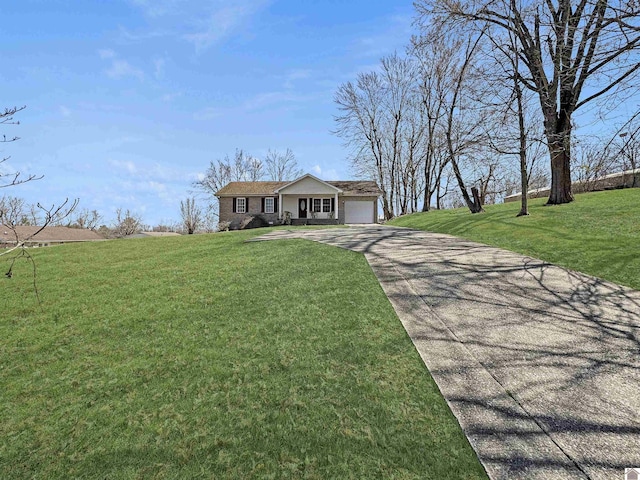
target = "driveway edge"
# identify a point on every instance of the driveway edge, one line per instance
(517, 447)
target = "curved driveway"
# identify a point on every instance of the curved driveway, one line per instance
(540, 365)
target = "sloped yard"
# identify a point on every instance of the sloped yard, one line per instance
(206, 357)
(597, 234)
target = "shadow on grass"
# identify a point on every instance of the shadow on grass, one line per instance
(564, 347)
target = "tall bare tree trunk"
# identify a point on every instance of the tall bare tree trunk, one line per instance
(522, 131)
(560, 152)
(474, 204)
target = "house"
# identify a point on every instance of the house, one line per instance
(306, 200)
(48, 236)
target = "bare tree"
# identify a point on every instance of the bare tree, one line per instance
(465, 125)
(89, 219)
(19, 250)
(126, 223)
(381, 125)
(399, 75)
(254, 169)
(11, 178)
(167, 226)
(519, 132)
(242, 168)
(13, 211)
(593, 160)
(625, 147)
(414, 139)
(572, 53)
(434, 56)
(191, 215)
(361, 125)
(282, 166)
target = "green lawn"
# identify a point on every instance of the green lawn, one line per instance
(598, 233)
(208, 357)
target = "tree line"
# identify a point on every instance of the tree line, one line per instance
(243, 167)
(483, 102)
(194, 217)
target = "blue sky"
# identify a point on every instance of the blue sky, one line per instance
(128, 100)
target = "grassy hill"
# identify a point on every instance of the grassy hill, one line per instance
(598, 233)
(208, 357)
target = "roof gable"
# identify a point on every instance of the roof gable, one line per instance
(308, 184)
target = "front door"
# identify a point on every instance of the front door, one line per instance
(302, 208)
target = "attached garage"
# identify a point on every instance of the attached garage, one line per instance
(304, 201)
(359, 211)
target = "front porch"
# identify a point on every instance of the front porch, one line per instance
(309, 201)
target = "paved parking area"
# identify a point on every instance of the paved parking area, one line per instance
(540, 365)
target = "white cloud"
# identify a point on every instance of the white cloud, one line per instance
(122, 68)
(156, 8)
(106, 53)
(119, 68)
(268, 99)
(201, 23)
(125, 166)
(168, 97)
(330, 174)
(208, 113)
(298, 74)
(144, 171)
(219, 25)
(257, 103)
(159, 64)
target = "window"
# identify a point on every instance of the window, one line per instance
(241, 205)
(322, 205)
(269, 205)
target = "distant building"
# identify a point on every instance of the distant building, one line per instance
(48, 236)
(626, 179)
(153, 234)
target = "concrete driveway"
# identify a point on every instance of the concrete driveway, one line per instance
(540, 365)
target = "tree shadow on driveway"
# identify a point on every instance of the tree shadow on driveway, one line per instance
(541, 365)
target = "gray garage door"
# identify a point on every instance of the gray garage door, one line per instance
(358, 212)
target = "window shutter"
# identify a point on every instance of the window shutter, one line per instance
(275, 205)
(246, 205)
(262, 207)
(333, 204)
(233, 209)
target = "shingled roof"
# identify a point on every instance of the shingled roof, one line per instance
(250, 188)
(48, 234)
(348, 187)
(357, 187)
